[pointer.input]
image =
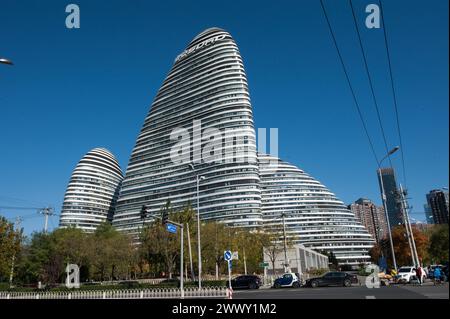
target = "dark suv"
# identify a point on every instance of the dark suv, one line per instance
(245, 282)
(334, 278)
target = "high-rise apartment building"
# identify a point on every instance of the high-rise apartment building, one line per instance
(438, 203)
(371, 216)
(391, 191)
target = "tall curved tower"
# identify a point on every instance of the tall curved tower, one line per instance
(202, 116)
(313, 215)
(92, 191)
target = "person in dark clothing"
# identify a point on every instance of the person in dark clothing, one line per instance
(419, 274)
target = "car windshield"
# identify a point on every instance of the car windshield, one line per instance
(404, 270)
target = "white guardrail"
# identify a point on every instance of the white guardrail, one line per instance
(165, 293)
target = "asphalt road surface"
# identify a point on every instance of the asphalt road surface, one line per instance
(354, 292)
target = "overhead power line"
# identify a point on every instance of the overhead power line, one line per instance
(370, 82)
(394, 95)
(349, 83)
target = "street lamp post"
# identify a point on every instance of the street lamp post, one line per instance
(198, 179)
(383, 197)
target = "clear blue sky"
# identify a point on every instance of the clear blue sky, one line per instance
(73, 90)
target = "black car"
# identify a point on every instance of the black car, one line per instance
(245, 282)
(334, 278)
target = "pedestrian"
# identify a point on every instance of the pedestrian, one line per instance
(437, 275)
(419, 274)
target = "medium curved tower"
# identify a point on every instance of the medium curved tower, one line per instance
(201, 116)
(92, 191)
(313, 215)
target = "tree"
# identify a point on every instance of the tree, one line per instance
(111, 253)
(10, 240)
(401, 245)
(272, 247)
(439, 247)
(159, 245)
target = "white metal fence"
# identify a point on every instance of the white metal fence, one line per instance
(166, 293)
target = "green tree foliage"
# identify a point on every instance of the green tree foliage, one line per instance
(111, 253)
(438, 251)
(161, 248)
(104, 255)
(9, 246)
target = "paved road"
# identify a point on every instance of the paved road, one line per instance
(355, 292)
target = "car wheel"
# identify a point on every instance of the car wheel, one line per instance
(314, 284)
(277, 285)
(347, 283)
(296, 285)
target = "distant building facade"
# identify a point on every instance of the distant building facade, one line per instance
(300, 259)
(428, 214)
(390, 189)
(371, 216)
(438, 202)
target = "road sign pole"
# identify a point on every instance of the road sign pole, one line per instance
(229, 274)
(181, 264)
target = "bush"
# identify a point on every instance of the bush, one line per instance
(317, 272)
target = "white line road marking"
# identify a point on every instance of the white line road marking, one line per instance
(370, 297)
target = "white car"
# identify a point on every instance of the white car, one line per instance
(405, 273)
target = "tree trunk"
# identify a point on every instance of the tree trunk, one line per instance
(217, 270)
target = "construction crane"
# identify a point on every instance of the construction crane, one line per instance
(46, 211)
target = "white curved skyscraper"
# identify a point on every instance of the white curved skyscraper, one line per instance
(313, 215)
(201, 124)
(201, 115)
(92, 192)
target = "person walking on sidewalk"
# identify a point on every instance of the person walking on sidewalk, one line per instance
(419, 274)
(437, 275)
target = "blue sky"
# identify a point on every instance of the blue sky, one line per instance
(73, 90)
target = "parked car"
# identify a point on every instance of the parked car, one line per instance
(334, 278)
(445, 272)
(288, 280)
(405, 274)
(245, 282)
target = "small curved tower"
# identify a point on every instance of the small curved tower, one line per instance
(92, 191)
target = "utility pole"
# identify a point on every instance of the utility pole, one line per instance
(399, 201)
(245, 262)
(47, 211)
(199, 178)
(409, 231)
(284, 242)
(11, 274)
(383, 198)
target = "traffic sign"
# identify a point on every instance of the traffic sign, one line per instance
(227, 255)
(262, 265)
(235, 255)
(171, 228)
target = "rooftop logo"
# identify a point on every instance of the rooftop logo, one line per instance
(205, 43)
